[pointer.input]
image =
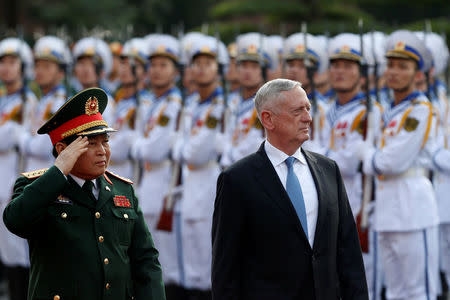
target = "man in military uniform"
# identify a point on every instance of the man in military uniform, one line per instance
(86, 232)
(200, 154)
(406, 214)
(152, 147)
(16, 108)
(247, 132)
(52, 57)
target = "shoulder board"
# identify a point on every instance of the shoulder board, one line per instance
(119, 177)
(417, 102)
(34, 174)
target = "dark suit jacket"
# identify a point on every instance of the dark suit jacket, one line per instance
(260, 250)
(70, 235)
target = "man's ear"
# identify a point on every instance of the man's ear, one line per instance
(267, 119)
(59, 146)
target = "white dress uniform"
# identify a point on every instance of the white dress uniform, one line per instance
(343, 131)
(200, 153)
(37, 148)
(345, 124)
(441, 180)
(153, 150)
(121, 141)
(248, 133)
(15, 116)
(125, 116)
(406, 215)
(16, 111)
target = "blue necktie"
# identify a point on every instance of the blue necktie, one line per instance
(295, 193)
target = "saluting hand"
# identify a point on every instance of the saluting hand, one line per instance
(69, 156)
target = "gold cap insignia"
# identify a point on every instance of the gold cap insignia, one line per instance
(400, 46)
(252, 49)
(91, 107)
(345, 48)
(300, 49)
(161, 49)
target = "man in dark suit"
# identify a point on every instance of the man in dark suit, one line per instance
(282, 226)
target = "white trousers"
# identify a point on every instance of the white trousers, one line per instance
(410, 262)
(373, 267)
(444, 242)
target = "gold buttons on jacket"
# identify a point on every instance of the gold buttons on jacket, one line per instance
(56, 297)
(64, 215)
(97, 215)
(125, 216)
(107, 286)
(101, 239)
(106, 261)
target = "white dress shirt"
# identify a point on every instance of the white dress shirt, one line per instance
(301, 170)
(80, 181)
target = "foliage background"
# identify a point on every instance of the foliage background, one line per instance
(120, 19)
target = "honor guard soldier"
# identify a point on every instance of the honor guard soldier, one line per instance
(132, 73)
(441, 175)
(153, 150)
(345, 124)
(297, 58)
(376, 60)
(200, 153)
(92, 63)
(406, 216)
(112, 81)
(52, 58)
(186, 44)
(102, 246)
(345, 118)
(17, 106)
(232, 76)
(274, 58)
(247, 132)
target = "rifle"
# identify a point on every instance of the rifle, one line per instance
(311, 69)
(165, 222)
(362, 219)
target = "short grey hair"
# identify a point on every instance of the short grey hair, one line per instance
(271, 91)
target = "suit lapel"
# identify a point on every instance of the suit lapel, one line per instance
(270, 182)
(74, 192)
(316, 172)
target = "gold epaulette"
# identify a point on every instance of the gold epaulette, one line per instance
(34, 174)
(120, 177)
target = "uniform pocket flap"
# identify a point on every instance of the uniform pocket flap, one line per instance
(124, 214)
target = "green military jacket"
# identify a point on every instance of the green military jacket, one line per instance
(81, 247)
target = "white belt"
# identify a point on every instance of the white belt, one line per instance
(154, 166)
(412, 172)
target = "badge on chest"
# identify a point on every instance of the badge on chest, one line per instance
(121, 201)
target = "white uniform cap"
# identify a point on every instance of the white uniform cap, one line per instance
(405, 44)
(91, 47)
(345, 46)
(136, 48)
(250, 47)
(294, 48)
(273, 46)
(186, 44)
(165, 45)
(439, 50)
(17, 47)
(208, 45)
(52, 48)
